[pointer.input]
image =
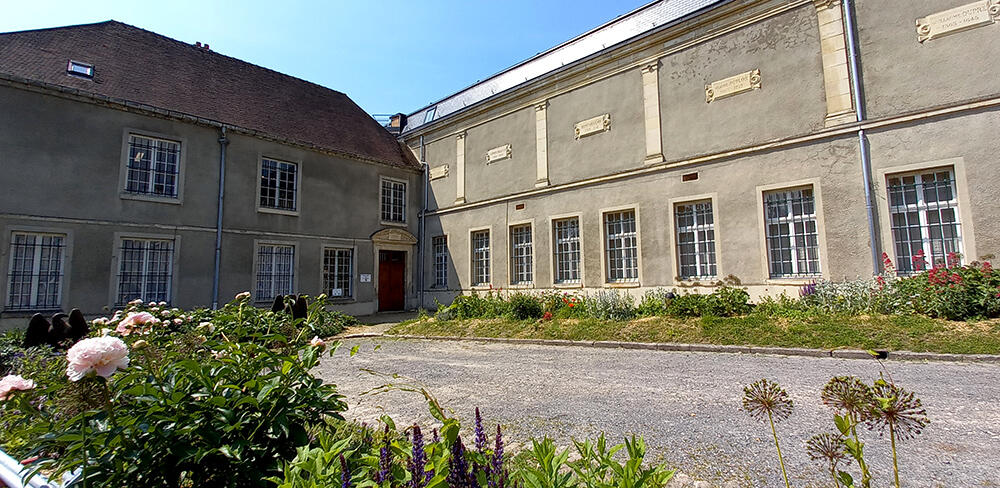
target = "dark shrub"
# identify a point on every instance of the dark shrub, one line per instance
(525, 307)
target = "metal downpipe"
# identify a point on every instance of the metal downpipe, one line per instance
(223, 142)
(422, 228)
(854, 60)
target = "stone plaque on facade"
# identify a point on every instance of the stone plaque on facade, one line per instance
(438, 172)
(498, 153)
(734, 85)
(597, 124)
(958, 19)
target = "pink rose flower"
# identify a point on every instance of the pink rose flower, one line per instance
(242, 296)
(100, 355)
(317, 342)
(178, 321)
(135, 320)
(12, 383)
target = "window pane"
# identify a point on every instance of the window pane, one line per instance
(791, 233)
(278, 180)
(393, 199)
(481, 258)
(144, 270)
(35, 279)
(567, 250)
(440, 244)
(152, 166)
(695, 240)
(620, 247)
(925, 224)
(338, 272)
(520, 255)
(275, 271)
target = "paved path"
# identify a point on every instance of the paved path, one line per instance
(685, 404)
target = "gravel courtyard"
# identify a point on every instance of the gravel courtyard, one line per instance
(685, 404)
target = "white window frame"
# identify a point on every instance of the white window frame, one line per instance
(706, 252)
(903, 263)
(273, 290)
(556, 253)
(440, 263)
(123, 177)
(144, 275)
(381, 188)
(36, 270)
(473, 271)
(527, 250)
(790, 219)
(328, 283)
(606, 259)
(295, 194)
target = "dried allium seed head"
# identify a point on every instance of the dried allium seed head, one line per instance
(765, 397)
(826, 446)
(898, 407)
(848, 394)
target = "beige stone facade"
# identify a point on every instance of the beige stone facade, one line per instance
(747, 109)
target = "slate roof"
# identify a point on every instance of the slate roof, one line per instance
(650, 17)
(136, 65)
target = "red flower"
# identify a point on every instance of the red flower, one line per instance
(987, 267)
(886, 261)
(919, 263)
(571, 304)
(547, 316)
(956, 278)
(953, 259)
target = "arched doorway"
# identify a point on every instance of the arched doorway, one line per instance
(394, 262)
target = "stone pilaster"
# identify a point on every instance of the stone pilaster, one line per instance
(836, 71)
(651, 109)
(460, 168)
(541, 146)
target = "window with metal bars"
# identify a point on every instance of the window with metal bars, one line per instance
(275, 271)
(36, 271)
(153, 166)
(923, 208)
(440, 244)
(695, 225)
(791, 232)
(278, 182)
(481, 258)
(521, 270)
(145, 270)
(621, 248)
(567, 250)
(393, 201)
(338, 272)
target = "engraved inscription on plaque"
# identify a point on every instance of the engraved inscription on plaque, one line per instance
(597, 124)
(958, 19)
(734, 85)
(439, 172)
(498, 153)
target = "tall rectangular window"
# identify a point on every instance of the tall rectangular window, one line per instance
(440, 244)
(153, 166)
(275, 271)
(36, 271)
(393, 201)
(278, 183)
(621, 247)
(521, 270)
(481, 258)
(695, 240)
(145, 269)
(338, 272)
(567, 250)
(923, 208)
(791, 231)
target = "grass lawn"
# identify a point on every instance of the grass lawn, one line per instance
(893, 333)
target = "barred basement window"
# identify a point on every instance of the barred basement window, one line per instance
(145, 269)
(620, 245)
(520, 255)
(695, 240)
(440, 245)
(481, 258)
(275, 271)
(153, 166)
(567, 250)
(393, 201)
(278, 184)
(925, 222)
(36, 270)
(791, 230)
(338, 272)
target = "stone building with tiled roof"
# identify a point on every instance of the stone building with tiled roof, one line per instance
(186, 176)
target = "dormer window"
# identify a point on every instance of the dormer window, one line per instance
(80, 69)
(429, 114)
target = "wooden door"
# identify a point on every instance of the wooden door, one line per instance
(391, 280)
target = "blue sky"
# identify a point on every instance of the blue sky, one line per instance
(388, 55)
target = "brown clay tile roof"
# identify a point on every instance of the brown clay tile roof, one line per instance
(144, 67)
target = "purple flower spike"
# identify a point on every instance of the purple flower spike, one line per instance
(345, 475)
(459, 474)
(498, 477)
(418, 463)
(480, 434)
(384, 460)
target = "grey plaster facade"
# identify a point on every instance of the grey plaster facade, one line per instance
(931, 106)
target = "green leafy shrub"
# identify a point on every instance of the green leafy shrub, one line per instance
(686, 305)
(525, 307)
(10, 350)
(726, 301)
(473, 306)
(655, 302)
